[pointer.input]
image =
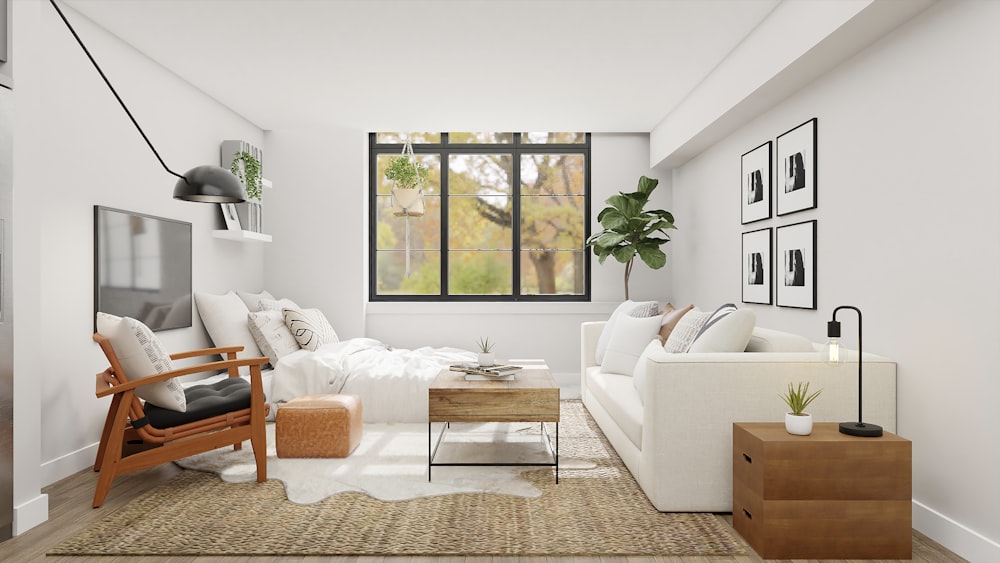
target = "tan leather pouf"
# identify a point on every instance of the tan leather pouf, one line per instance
(318, 426)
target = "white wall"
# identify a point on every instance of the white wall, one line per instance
(74, 148)
(319, 257)
(909, 139)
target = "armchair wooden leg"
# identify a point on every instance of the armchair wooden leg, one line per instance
(112, 453)
(258, 442)
(106, 433)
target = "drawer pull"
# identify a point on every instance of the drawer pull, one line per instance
(747, 458)
(747, 512)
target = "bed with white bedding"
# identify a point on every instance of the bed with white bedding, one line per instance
(307, 356)
(392, 382)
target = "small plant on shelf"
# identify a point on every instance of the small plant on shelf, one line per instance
(798, 397)
(246, 167)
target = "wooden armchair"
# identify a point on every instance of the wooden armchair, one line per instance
(138, 434)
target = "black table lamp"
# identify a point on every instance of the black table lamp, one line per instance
(858, 428)
(207, 184)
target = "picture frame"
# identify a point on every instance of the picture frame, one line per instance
(796, 250)
(755, 180)
(758, 269)
(797, 161)
(231, 216)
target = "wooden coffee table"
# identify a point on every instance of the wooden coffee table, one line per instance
(531, 396)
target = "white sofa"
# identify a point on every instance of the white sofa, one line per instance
(677, 440)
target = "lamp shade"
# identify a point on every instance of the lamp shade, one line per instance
(210, 184)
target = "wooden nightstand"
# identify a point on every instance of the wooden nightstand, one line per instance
(822, 496)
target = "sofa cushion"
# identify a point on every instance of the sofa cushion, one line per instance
(605, 338)
(670, 320)
(686, 330)
(628, 339)
(617, 394)
(729, 334)
(770, 340)
(639, 374)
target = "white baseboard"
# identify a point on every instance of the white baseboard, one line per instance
(964, 542)
(73, 462)
(30, 514)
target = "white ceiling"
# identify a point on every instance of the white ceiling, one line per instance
(531, 65)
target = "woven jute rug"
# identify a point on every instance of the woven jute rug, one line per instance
(597, 511)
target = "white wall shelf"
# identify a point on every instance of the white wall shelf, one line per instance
(249, 236)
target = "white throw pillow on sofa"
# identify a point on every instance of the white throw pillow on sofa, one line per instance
(730, 334)
(628, 339)
(225, 319)
(686, 331)
(639, 374)
(142, 355)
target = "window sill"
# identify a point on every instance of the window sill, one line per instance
(489, 308)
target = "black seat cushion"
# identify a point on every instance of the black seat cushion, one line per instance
(203, 401)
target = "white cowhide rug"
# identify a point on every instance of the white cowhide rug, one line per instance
(390, 463)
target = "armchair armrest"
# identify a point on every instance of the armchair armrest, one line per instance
(254, 364)
(220, 350)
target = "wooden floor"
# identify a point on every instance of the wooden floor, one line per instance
(70, 512)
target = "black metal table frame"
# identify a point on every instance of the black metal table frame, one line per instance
(432, 452)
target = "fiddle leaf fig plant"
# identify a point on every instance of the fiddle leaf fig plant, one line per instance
(246, 167)
(407, 174)
(630, 230)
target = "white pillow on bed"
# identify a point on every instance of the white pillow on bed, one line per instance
(309, 327)
(225, 319)
(271, 334)
(252, 300)
(276, 304)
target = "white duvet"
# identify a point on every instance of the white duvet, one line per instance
(392, 383)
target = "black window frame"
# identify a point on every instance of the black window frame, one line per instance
(444, 149)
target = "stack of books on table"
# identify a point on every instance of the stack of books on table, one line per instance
(475, 372)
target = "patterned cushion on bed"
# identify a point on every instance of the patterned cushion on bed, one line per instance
(309, 327)
(272, 335)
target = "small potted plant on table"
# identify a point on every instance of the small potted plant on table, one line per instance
(798, 397)
(486, 357)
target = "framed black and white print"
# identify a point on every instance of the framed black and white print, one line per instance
(796, 252)
(757, 268)
(797, 161)
(755, 169)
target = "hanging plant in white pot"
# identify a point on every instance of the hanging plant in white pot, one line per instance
(797, 421)
(409, 176)
(247, 168)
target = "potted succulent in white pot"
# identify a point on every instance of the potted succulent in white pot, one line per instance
(798, 397)
(486, 357)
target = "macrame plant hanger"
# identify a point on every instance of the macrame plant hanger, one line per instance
(408, 202)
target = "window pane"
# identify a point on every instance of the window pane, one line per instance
(553, 272)
(395, 137)
(474, 224)
(480, 273)
(549, 138)
(432, 161)
(552, 222)
(479, 174)
(425, 231)
(424, 278)
(560, 174)
(480, 137)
